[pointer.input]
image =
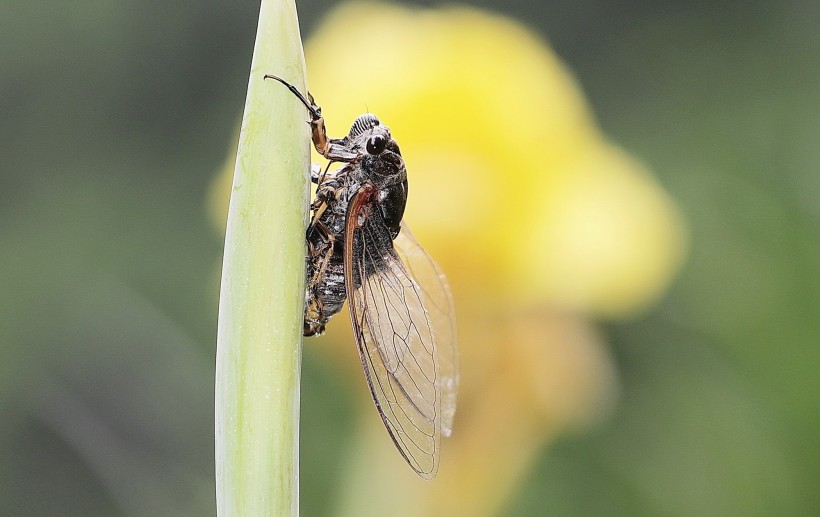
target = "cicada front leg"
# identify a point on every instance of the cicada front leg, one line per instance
(335, 150)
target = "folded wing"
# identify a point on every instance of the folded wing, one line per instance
(405, 333)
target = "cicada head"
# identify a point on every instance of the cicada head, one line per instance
(381, 161)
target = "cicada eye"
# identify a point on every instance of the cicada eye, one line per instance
(376, 144)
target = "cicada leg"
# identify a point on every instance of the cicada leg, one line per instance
(321, 257)
(314, 320)
(335, 150)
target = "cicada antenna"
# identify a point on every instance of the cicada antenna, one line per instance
(315, 111)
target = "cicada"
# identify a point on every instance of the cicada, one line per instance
(401, 309)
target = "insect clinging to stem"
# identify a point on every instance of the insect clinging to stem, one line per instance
(401, 309)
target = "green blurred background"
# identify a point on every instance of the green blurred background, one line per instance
(116, 116)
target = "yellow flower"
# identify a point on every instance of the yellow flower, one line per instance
(538, 221)
(499, 140)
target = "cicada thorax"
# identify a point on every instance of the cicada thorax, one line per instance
(378, 167)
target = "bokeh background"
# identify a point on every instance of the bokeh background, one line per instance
(696, 393)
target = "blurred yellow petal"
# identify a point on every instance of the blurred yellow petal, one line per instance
(610, 241)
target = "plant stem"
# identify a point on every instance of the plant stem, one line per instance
(262, 296)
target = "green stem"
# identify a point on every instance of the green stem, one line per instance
(262, 296)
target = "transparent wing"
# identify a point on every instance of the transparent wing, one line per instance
(396, 338)
(438, 300)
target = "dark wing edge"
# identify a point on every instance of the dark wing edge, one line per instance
(394, 335)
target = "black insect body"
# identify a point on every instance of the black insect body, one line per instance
(379, 174)
(399, 301)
